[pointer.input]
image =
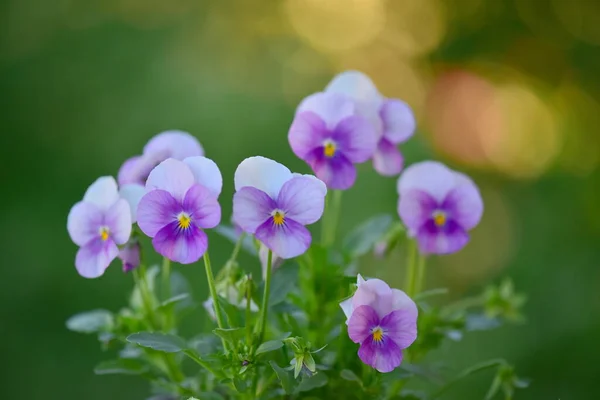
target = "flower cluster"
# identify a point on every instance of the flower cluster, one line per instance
(171, 194)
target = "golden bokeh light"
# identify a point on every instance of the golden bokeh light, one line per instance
(530, 138)
(414, 27)
(462, 114)
(336, 25)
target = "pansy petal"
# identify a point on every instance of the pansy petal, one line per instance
(376, 294)
(337, 172)
(92, 259)
(355, 138)
(171, 175)
(206, 173)
(347, 308)
(303, 199)
(288, 240)
(401, 327)
(367, 352)
(388, 356)
(263, 174)
(203, 207)
(132, 193)
(464, 205)
(184, 246)
(307, 131)
(103, 193)
(433, 240)
(387, 159)
(84, 222)
(361, 322)
(398, 121)
(415, 207)
(175, 144)
(330, 107)
(429, 176)
(156, 210)
(401, 301)
(356, 85)
(128, 171)
(118, 220)
(251, 208)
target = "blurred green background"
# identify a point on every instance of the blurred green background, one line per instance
(506, 90)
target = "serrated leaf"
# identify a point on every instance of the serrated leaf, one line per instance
(91, 321)
(362, 239)
(231, 335)
(284, 377)
(158, 341)
(316, 381)
(121, 366)
(271, 345)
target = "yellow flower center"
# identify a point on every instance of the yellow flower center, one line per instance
(377, 334)
(104, 233)
(184, 220)
(439, 218)
(329, 149)
(278, 217)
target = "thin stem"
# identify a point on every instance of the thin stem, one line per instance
(325, 220)
(213, 294)
(265, 300)
(237, 248)
(421, 270)
(332, 213)
(166, 291)
(248, 318)
(411, 270)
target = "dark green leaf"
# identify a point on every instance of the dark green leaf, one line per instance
(362, 239)
(283, 282)
(240, 384)
(91, 321)
(269, 346)
(284, 377)
(121, 366)
(231, 335)
(229, 232)
(316, 381)
(158, 341)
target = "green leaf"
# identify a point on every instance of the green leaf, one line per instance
(231, 335)
(229, 233)
(348, 375)
(495, 363)
(316, 381)
(362, 239)
(173, 300)
(91, 321)
(431, 293)
(121, 366)
(271, 345)
(159, 341)
(208, 396)
(283, 282)
(284, 377)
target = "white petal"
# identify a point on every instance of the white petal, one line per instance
(206, 173)
(263, 174)
(133, 193)
(347, 307)
(356, 85)
(171, 175)
(431, 177)
(360, 280)
(103, 193)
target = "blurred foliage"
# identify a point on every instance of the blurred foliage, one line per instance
(506, 90)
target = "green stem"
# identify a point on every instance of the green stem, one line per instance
(166, 278)
(421, 270)
(332, 214)
(411, 270)
(395, 388)
(265, 300)
(248, 318)
(213, 294)
(237, 248)
(325, 220)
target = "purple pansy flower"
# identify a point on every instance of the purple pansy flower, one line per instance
(274, 205)
(98, 224)
(383, 321)
(438, 206)
(331, 137)
(392, 120)
(130, 255)
(134, 171)
(181, 201)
